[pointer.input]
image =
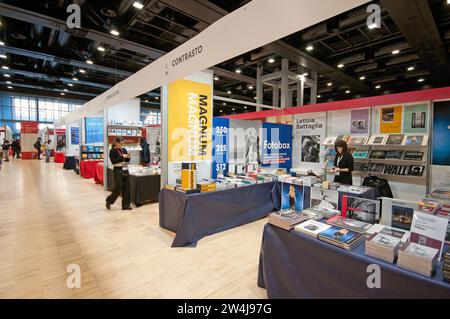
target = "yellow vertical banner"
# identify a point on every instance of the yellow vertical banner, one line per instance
(189, 121)
(391, 118)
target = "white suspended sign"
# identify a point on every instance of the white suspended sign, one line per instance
(252, 26)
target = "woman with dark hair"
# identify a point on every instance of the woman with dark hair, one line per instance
(343, 164)
(119, 158)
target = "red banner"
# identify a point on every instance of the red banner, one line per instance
(29, 128)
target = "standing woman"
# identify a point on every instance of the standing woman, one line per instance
(343, 164)
(119, 158)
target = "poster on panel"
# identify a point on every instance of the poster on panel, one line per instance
(189, 126)
(441, 133)
(415, 118)
(277, 146)
(391, 119)
(309, 134)
(221, 129)
(28, 136)
(244, 142)
(94, 130)
(359, 123)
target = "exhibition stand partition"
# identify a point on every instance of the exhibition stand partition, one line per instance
(29, 132)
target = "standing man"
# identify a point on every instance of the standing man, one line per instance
(38, 146)
(48, 151)
(5, 147)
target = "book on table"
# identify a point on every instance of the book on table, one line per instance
(383, 246)
(418, 258)
(312, 228)
(341, 237)
(287, 219)
(350, 224)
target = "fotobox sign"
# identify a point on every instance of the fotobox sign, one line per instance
(277, 145)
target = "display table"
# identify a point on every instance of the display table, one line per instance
(293, 265)
(195, 216)
(69, 163)
(87, 168)
(143, 188)
(98, 176)
(60, 157)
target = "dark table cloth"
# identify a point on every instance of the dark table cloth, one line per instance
(69, 163)
(143, 189)
(294, 266)
(195, 216)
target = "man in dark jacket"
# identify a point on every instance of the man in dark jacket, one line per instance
(38, 146)
(5, 147)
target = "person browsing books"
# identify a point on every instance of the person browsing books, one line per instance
(119, 158)
(343, 164)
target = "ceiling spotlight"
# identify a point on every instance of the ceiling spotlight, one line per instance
(7, 75)
(250, 87)
(156, 97)
(115, 32)
(82, 71)
(421, 80)
(62, 93)
(89, 62)
(245, 107)
(319, 96)
(70, 84)
(146, 101)
(216, 78)
(329, 84)
(8, 82)
(309, 48)
(5, 67)
(138, 5)
(347, 92)
(234, 109)
(3, 56)
(255, 98)
(224, 103)
(362, 78)
(372, 26)
(101, 49)
(411, 68)
(271, 60)
(340, 66)
(305, 74)
(2, 43)
(229, 92)
(66, 90)
(395, 52)
(238, 71)
(75, 79)
(10, 87)
(378, 87)
(221, 111)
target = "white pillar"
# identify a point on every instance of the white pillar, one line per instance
(284, 83)
(259, 87)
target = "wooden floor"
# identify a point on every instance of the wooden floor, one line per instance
(50, 218)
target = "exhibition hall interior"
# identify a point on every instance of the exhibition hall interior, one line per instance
(224, 149)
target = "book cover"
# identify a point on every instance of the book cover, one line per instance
(377, 140)
(385, 240)
(338, 234)
(291, 197)
(361, 209)
(403, 235)
(355, 225)
(378, 154)
(395, 139)
(419, 251)
(312, 227)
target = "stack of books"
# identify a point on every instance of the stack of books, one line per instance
(312, 228)
(287, 219)
(383, 246)
(341, 237)
(350, 224)
(324, 212)
(417, 258)
(446, 266)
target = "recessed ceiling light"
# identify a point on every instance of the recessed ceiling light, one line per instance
(101, 49)
(70, 84)
(411, 68)
(89, 62)
(2, 43)
(224, 103)
(305, 74)
(395, 52)
(250, 87)
(75, 79)
(329, 84)
(216, 78)
(115, 32)
(8, 82)
(234, 109)
(309, 48)
(156, 97)
(7, 75)
(362, 78)
(271, 60)
(82, 71)
(319, 96)
(5, 67)
(229, 92)
(421, 80)
(372, 26)
(340, 66)
(378, 87)
(255, 98)
(10, 87)
(66, 90)
(348, 92)
(221, 111)
(138, 5)
(238, 71)
(62, 93)
(245, 107)
(3, 56)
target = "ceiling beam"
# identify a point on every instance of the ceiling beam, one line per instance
(60, 25)
(416, 22)
(234, 75)
(45, 88)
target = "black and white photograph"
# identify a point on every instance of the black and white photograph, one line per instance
(324, 198)
(311, 148)
(418, 119)
(359, 124)
(416, 170)
(395, 139)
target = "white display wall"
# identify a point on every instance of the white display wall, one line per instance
(73, 149)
